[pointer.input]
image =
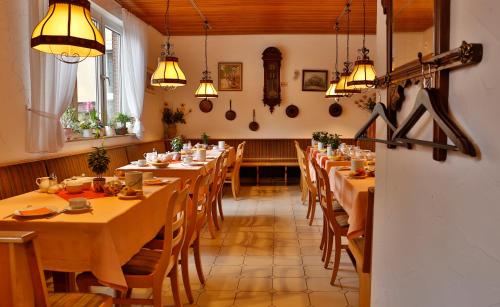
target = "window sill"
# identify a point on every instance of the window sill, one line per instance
(79, 139)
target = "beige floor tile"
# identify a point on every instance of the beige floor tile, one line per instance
(233, 250)
(290, 299)
(258, 260)
(253, 299)
(289, 284)
(317, 271)
(310, 243)
(312, 260)
(349, 283)
(221, 283)
(285, 236)
(252, 284)
(226, 270)
(257, 271)
(328, 299)
(288, 271)
(286, 242)
(286, 251)
(229, 260)
(216, 299)
(309, 235)
(310, 251)
(260, 243)
(321, 284)
(260, 251)
(287, 260)
(352, 298)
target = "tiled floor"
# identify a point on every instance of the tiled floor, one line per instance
(267, 255)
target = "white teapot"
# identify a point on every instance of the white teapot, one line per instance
(44, 183)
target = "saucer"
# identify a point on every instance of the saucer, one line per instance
(68, 209)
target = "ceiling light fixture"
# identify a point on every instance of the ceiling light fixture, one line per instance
(343, 86)
(168, 74)
(331, 92)
(206, 89)
(363, 74)
(68, 32)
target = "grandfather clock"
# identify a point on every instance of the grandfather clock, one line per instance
(272, 64)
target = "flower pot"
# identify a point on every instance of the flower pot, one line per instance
(171, 130)
(86, 133)
(68, 133)
(313, 142)
(109, 131)
(130, 127)
(98, 184)
(121, 131)
(320, 146)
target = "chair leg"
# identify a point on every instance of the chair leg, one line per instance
(197, 260)
(329, 247)
(323, 238)
(219, 203)
(210, 221)
(157, 293)
(234, 188)
(174, 282)
(185, 274)
(313, 209)
(214, 214)
(336, 261)
(309, 204)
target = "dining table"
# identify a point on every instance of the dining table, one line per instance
(99, 240)
(181, 170)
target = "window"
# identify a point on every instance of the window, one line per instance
(98, 83)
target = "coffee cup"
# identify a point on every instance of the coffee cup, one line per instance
(221, 145)
(187, 160)
(142, 162)
(78, 203)
(133, 180)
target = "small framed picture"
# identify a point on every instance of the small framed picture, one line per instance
(230, 76)
(314, 80)
(149, 88)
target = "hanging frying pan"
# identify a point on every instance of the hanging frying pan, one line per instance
(254, 126)
(230, 114)
(335, 109)
(206, 105)
(292, 111)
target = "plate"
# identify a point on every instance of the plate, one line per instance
(155, 181)
(344, 168)
(357, 177)
(68, 209)
(160, 164)
(128, 197)
(35, 212)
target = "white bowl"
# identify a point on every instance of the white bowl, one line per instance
(74, 187)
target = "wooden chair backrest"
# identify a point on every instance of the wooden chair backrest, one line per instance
(199, 202)
(215, 176)
(307, 174)
(175, 226)
(22, 282)
(367, 253)
(223, 170)
(300, 154)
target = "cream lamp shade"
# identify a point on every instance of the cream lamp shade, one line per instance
(363, 74)
(343, 87)
(168, 73)
(206, 89)
(68, 31)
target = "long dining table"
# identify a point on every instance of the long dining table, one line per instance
(180, 170)
(101, 240)
(351, 193)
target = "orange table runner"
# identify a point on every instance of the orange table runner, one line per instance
(89, 194)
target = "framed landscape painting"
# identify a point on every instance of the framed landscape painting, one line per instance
(314, 80)
(230, 76)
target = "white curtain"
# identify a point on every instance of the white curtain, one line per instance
(134, 66)
(52, 87)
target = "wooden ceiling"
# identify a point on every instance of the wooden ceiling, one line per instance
(231, 17)
(413, 15)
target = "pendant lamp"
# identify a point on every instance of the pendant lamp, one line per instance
(343, 87)
(363, 74)
(168, 74)
(331, 92)
(206, 88)
(68, 32)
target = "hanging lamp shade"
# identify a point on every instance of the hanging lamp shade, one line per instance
(68, 31)
(332, 90)
(363, 74)
(343, 86)
(206, 89)
(168, 73)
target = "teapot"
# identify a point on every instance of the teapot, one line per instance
(44, 183)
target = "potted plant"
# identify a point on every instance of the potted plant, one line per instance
(95, 123)
(121, 120)
(204, 138)
(315, 138)
(171, 118)
(322, 139)
(69, 121)
(334, 140)
(176, 144)
(98, 162)
(85, 128)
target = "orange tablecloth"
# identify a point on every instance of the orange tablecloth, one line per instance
(181, 171)
(100, 241)
(323, 161)
(352, 194)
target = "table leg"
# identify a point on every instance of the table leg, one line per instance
(257, 175)
(286, 175)
(64, 282)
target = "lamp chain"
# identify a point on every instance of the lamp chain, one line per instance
(205, 73)
(167, 25)
(336, 49)
(348, 10)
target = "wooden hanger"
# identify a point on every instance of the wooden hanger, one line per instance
(426, 100)
(379, 110)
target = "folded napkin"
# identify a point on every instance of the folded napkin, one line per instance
(38, 211)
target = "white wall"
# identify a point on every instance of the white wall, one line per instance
(14, 60)
(299, 52)
(436, 224)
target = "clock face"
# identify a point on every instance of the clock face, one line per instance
(272, 82)
(272, 63)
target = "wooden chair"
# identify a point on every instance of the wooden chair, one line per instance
(337, 220)
(312, 191)
(222, 177)
(148, 267)
(233, 173)
(303, 184)
(361, 249)
(19, 259)
(214, 183)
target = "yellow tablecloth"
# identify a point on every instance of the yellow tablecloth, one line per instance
(100, 241)
(352, 195)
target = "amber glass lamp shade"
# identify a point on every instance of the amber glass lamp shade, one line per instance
(343, 87)
(168, 73)
(363, 74)
(206, 89)
(68, 31)
(332, 90)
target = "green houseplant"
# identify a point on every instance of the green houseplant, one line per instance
(204, 138)
(85, 128)
(121, 120)
(171, 118)
(70, 123)
(334, 140)
(177, 143)
(98, 161)
(95, 123)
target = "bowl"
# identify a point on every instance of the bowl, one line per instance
(74, 187)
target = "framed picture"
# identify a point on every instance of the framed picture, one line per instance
(230, 76)
(149, 88)
(314, 80)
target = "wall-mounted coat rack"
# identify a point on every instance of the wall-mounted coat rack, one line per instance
(379, 110)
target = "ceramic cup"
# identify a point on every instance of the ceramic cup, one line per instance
(78, 203)
(133, 180)
(187, 160)
(147, 175)
(142, 162)
(221, 144)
